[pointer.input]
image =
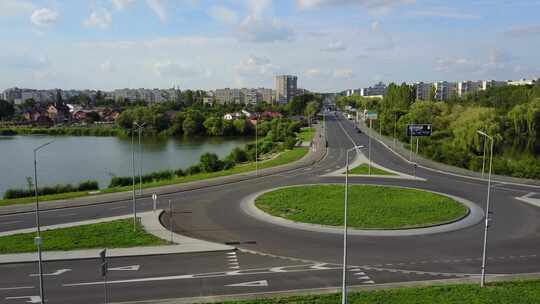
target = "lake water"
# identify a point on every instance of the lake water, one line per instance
(71, 159)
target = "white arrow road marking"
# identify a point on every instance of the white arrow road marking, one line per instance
(278, 269)
(56, 273)
(320, 266)
(262, 283)
(31, 299)
(127, 268)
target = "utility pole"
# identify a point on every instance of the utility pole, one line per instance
(38, 240)
(487, 220)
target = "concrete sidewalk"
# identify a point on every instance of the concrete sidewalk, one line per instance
(313, 156)
(150, 222)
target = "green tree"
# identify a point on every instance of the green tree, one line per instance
(209, 162)
(213, 126)
(6, 110)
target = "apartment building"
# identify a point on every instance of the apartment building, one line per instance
(378, 89)
(445, 90)
(423, 90)
(286, 87)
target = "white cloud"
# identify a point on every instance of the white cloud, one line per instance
(310, 4)
(14, 7)
(170, 69)
(255, 29)
(258, 7)
(107, 67)
(254, 65)
(524, 31)
(335, 46)
(314, 72)
(445, 12)
(343, 73)
(122, 4)
(158, 8)
(223, 14)
(100, 18)
(375, 26)
(44, 17)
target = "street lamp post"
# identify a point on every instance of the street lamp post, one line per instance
(486, 226)
(256, 146)
(38, 239)
(484, 158)
(140, 155)
(369, 144)
(134, 199)
(345, 228)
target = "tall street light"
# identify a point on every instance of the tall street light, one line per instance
(38, 239)
(345, 228)
(140, 127)
(134, 199)
(483, 277)
(256, 146)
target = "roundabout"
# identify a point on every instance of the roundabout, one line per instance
(374, 210)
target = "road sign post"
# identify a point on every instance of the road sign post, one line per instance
(170, 220)
(154, 199)
(371, 116)
(417, 130)
(104, 271)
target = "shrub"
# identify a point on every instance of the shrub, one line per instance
(290, 142)
(119, 181)
(179, 172)
(88, 185)
(195, 169)
(228, 164)
(238, 155)
(210, 162)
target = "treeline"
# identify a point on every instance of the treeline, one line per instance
(277, 135)
(74, 131)
(511, 114)
(57, 189)
(208, 120)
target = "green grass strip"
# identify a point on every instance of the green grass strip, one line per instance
(306, 134)
(363, 169)
(115, 234)
(522, 292)
(283, 158)
(370, 207)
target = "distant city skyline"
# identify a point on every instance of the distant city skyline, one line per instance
(199, 44)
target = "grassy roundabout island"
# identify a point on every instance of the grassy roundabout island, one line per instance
(370, 207)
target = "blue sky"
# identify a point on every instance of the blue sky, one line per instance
(330, 44)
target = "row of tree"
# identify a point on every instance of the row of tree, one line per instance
(511, 114)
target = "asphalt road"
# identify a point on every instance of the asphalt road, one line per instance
(292, 259)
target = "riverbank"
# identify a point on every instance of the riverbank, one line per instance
(282, 158)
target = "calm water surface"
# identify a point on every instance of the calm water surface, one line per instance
(71, 159)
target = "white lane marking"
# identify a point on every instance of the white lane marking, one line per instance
(179, 277)
(203, 275)
(67, 215)
(31, 299)
(9, 223)
(262, 283)
(126, 268)
(17, 288)
(117, 208)
(529, 199)
(56, 273)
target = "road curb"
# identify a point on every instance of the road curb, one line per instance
(150, 222)
(475, 216)
(333, 290)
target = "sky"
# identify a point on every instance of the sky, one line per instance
(331, 45)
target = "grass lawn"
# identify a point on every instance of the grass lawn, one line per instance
(363, 169)
(115, 234)
(306, 134)
(370, 207)
(522, 292)
(282, 159)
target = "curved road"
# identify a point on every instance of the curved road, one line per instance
(278, 258)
